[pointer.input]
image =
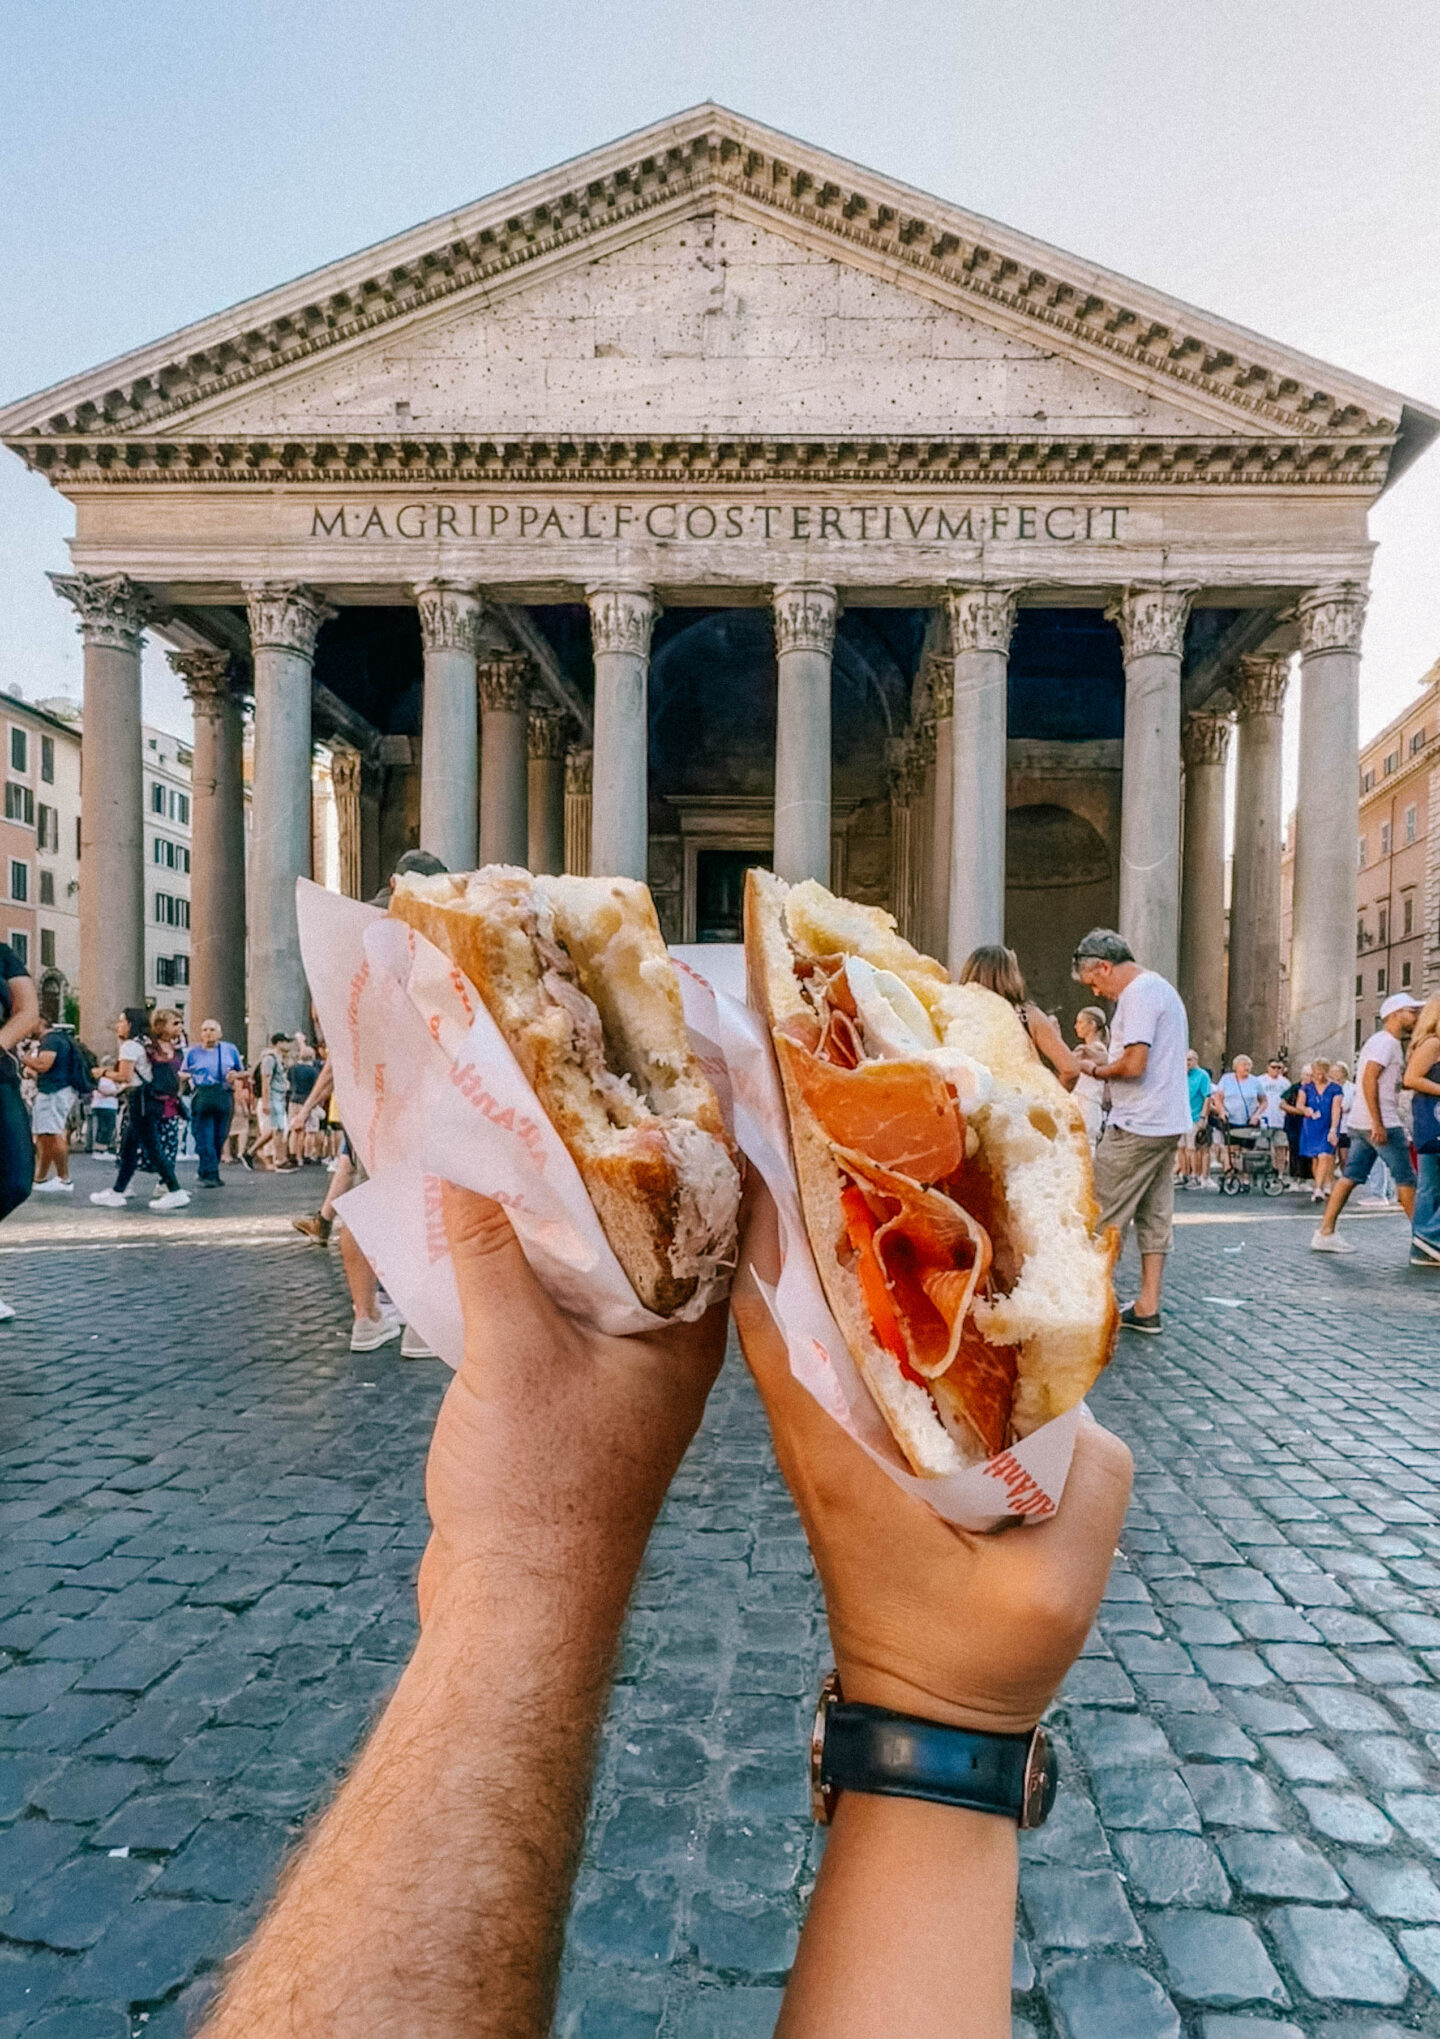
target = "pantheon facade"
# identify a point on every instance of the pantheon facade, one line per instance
(711, 500)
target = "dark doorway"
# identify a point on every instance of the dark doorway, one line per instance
(720, 892)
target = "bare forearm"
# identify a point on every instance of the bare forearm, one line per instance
(433, 1895)
(911, 1927)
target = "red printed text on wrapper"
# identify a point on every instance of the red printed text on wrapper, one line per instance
(467, 1081)
(1026, 1496)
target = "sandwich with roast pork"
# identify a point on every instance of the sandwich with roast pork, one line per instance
(576, 976)
(944, 1177)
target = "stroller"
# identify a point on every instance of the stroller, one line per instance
(1251, 1146)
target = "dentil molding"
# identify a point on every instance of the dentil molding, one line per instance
(286, 617)
(1205, 739)
(1152, 620)
(113, 609)
(981, 618)
(806, 613)
(1331, 618)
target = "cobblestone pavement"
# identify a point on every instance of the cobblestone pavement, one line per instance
(211, 1519)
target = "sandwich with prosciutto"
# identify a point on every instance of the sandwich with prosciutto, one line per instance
(944, 1176)
(576, 976)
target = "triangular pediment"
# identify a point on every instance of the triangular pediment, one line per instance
(711, 277)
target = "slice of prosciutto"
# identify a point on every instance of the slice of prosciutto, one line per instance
(934, 1258)
(901, 1115)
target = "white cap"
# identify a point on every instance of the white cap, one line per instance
(1401, 1002)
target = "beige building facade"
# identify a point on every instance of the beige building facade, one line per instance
(708, 500)
(40, 845)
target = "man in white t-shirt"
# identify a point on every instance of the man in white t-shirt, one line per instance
(1149, 1109)
(1377, 1131)
(1273, 1085)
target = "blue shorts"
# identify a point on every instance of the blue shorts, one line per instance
(1366, 1150)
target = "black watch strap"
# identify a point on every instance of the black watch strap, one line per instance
(868, 1748)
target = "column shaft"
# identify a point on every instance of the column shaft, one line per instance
(449, 618)
(1322, 968)
(1254, 1023)
(621, 619)
(547, 742)
(112, 614)
(284, 623)
(217, 844)
(981, 621)
(1202, 904)
(805, 618)
(579, 816)
(504, 824)
(942, 804)
(1152, 624)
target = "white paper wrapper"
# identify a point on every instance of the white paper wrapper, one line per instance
(1025, 1481)
(429, 1091)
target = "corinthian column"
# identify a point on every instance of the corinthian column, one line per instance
(1254, 1023)
(217, 844)
(1322, 955)
(621, 619)
(284, 623)
(504, 830)
(1152, 626)
(942, 803)
(346, 769)
(449, 617)
(579, 802)
(546, 732)
(905, 768)
(113, 612)
(805, 617)
(981, 622)
(1205, 744)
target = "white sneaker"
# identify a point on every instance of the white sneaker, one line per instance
(368, 1334)
(1374, 1203)
(172, 1200)
(413, 1346)
(53, 1186)
(6, 1313)
(113, 1199)
(1329, 1242)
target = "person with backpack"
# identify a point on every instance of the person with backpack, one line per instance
(62, 1080)
(212, 1067)
(145, 1079)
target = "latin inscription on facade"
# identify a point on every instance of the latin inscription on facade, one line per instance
(910, 523)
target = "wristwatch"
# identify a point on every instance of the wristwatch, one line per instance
(868, 1748)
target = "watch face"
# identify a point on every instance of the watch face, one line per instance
(1042, 1778)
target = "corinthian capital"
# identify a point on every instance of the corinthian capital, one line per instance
(346, 766)
(1205, 740)
(113, 610)
(1259, 683)
(286, 617)
(1331, 618)
(621, 618)
(940, 677)
(547, 732)
(206, 673)
(504, 681)
(449, 615)
(1152, 620)
(905, 769)
(579, 773)
(981, 619)
(806, 613)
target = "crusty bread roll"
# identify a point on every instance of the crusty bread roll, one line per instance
(1038, 1321)
(575, 974)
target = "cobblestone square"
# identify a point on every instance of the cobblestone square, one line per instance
(211, 1519)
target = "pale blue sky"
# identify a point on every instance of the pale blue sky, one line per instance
(1275, 161)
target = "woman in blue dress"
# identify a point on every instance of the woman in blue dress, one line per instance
(1320, 1127)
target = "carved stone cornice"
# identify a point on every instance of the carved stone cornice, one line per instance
(1332, 618)
(579, 774)
(286, 617)
(209, 679)
(504, 681)
(547, 733)
(621, 618)
(449, 615)
(981, 618)
(805, 613)
(581, 210)
(699, 463)
(1205, 739)
(1258, 684)
(1152, 620)
(113, 609)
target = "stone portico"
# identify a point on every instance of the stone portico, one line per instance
(710, 500)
